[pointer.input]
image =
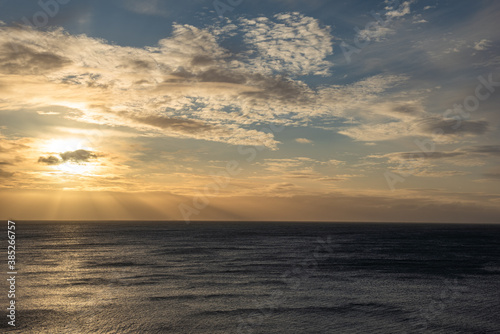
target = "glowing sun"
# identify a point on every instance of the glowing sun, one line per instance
(70, 155)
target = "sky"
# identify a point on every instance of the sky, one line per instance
(250, 110)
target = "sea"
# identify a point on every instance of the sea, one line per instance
(254, 277)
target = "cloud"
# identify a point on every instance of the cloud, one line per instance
(492, 150)
(4, 174)
(492, 175)
(188, 85)
(402, 10)
(303, 141)
(335, 162)
(449, 127)
(377, 132)
(303, 171)
(429, 155)
(16, 58)
(426, 164)
(343, 100)
(436, 127)
(78, 156)
(50, 160)
(291, 43)
(378, 30)
(284, 189)
(376, 33)
(468, 151)
(48, 113)
(482, 45)
(175, 124)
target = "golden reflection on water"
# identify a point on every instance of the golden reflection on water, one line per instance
(61, 278)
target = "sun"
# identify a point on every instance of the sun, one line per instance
(58, 147)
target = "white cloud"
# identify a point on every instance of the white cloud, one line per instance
(303, 141)
(378, 30)
(482, 45)
(434, 163)
(441, 130)
(187, 86)
(291, 43)
(376, 33)
(377, 132)
(402, 10)
(335, 162)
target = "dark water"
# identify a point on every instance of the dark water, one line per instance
(256, 278)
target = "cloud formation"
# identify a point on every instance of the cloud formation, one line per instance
(4, 174)
(291, 43)
(78, 156)
(186, 86)
(303, 141)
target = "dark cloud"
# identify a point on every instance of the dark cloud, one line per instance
(492, 175)
(270, 87)
(77, 156)
(176, 124)
(50, 160)
(406, 109)
(20, 59)
(429, 155)
(215, 75)
(202, 60)
(452, 127)
(467, 152)
(484, 149)
(4, 174)
(279, 88)
(210, 75)
(138, 65)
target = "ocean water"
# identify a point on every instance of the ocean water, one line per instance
(90, 277)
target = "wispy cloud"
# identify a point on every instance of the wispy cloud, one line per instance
(303, 141)
(291, 43)
(482, 45)
(78, 156)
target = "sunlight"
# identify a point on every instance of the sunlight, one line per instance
(76, 168)
(57, 147)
